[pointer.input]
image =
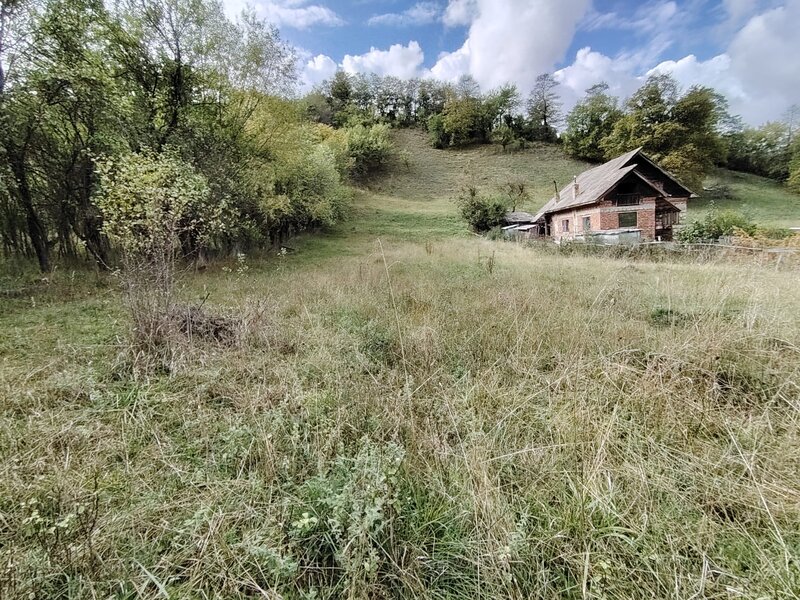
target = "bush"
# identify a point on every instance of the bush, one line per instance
(716, 224)
(313, 189)
(439, 138)
(481, 212)
(154, 207)
(369, 148)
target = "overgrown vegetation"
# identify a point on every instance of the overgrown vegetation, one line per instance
(431, 432)
(718, 224)
(480, 211)
(408, 419)
(84, 80)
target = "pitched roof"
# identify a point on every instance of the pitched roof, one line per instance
(596, 182)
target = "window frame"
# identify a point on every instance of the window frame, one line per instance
(628, 199)
(587, 219)
(635, 214)
(564, 225)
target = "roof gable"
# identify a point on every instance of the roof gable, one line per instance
(596, 182)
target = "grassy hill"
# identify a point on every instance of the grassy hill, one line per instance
(414, 199)
(431, 415)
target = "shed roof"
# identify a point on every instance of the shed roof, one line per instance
(520, 216)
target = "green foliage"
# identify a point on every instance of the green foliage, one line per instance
(544, 109)
(503, 135)
(348, 515)
(481, 212)
(313, 189)
(589, 123)
(150, 201)
(156, 208)
(438, 136)
(110, 80)
(679, 132)
(764, 151)
(463, 121)
(715, 225)
(369, 148)
(794, 169)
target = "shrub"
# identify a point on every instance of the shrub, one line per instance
(153, 206)
(369, 148)
(312, 191)
(716, 224)
(438, 136)
(481, 212)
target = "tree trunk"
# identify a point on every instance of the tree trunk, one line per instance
(36, 231)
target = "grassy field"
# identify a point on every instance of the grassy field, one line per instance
(431, 415)
(763, 200)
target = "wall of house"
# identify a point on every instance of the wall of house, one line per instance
(605, 216)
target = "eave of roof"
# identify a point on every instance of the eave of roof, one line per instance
(670, 175)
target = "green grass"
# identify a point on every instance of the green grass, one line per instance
(765, 201)
(432, 416)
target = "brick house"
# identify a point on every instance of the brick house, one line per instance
(629, 198)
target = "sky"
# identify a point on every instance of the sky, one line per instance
(749, 50)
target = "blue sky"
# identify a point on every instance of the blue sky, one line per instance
(747, 49)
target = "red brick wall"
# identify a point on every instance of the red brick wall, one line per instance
(605, 216)
(609, 220)
(647, 222)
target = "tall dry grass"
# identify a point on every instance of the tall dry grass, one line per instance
(441, 420)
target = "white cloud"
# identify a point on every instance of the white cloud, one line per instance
(399, 60)
(738, 10)
(316, 70)
(421, 13)
(460, 12)
(450, 66)
(515, 40)
(403, 61)
(758, 73)
(650, 16)
(298, 14)
(590, 68)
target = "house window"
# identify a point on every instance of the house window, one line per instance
(565, 226)
(587, 223)
(628, 219)
(628, 199)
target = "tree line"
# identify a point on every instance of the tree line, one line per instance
(688, 132)
(85, 83)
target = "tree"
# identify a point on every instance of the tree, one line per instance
(544, 108)
(481, 212)
(679, 132)
(589, 122)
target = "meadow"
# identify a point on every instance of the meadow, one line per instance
(410, 411)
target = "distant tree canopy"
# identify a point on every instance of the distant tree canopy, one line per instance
(687, 133)
(544, 109)
(590, 122)
(678, 131)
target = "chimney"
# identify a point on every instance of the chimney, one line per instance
(558, 195)
(575, 187)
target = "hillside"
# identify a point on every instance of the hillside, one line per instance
(403, 410)
(415, 197)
